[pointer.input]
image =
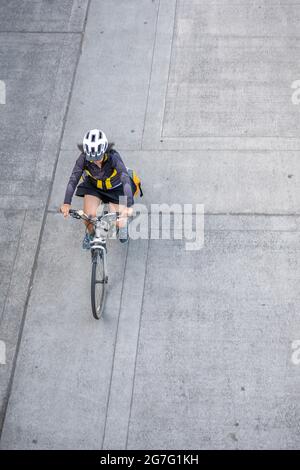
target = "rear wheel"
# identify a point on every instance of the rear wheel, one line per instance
(98, 284)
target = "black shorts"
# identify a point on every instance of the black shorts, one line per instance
(110, 195)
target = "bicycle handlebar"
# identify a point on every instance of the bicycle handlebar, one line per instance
(79, 214)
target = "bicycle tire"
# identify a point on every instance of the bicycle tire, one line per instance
(98, 285)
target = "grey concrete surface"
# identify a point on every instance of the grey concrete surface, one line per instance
(117, 55)
(194, 350)
(208, 69)
(244, 49)
(213, 359)
(42, 15)
(37, 68)
(65, 388)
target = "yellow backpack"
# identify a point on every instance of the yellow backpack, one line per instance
(137, 181)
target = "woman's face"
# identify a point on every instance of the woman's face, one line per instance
(98, 162)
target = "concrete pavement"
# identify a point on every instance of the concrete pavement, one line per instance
(194, 350)
(39, 49)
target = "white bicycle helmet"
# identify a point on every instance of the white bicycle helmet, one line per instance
(94, 144)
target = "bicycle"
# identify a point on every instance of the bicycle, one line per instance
(99, 277)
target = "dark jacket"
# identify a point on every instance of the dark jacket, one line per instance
(113, 162)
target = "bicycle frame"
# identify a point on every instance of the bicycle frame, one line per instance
(102, 225)
(98, 244)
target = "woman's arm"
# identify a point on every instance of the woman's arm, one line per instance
(118, 164)
(74, 179)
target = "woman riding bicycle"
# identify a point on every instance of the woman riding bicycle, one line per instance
(104, 177)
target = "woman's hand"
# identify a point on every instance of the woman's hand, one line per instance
(64, 209)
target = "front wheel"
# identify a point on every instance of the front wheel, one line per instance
(98, 284)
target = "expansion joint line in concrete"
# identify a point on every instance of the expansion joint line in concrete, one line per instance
(150, 75)
(137, 344)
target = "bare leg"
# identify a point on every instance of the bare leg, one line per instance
(118, 208)
(90, 206)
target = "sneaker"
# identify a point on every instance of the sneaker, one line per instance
(86, 243)
(123, 234)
